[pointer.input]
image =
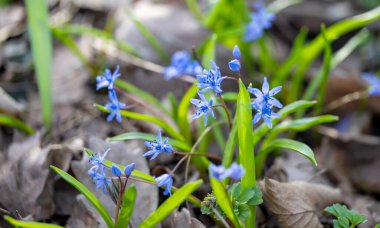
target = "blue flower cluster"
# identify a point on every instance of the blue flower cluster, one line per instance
(373, 82)
(264, 103)
(98, 171)
(235, 171)
(261, 19)
(182, 64)
(107, 80)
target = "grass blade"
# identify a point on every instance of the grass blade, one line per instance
(41, 43)
(127, 207)
(137, 116)
(195, 9)
(245, 141)
(25, 224)
(149, 137)
(89, 196)
(224, 201)
(183, 109)
(170, 204)
(16, 123)
(208, 51)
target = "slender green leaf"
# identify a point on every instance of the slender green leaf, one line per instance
(170, 204)
(292, 145)
(183, 109)
(209, 52)
(40, 39)
(195, 9)
(90, 31)
(228, 153)
(137, 116)
(279, 5)
(267, 62)
(224, 201)
(245, 140)
(127, 207)
(141, 94)
(89, 195)
(174, 106)
(16, 123)
(303, 123)
(27, 224)
(149, 137)
(230, 96)
(150, 37)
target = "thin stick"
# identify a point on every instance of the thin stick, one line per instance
(226, 110)
(358, 95)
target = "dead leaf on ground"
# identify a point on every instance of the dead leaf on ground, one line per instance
(83, 215)
(27, 182)
(181, 219)
(298, 204)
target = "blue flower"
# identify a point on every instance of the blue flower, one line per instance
(234, 65)
(101, 181)
(114, 107)
(128, 169)
(98, 160)
(205, 107)
(165, 180)
(264, 111)
(235, 171)
(261, 19)
(181, 64)
(374, 83)
(158, 146)
(107, 80)
(210, 80)
(266, 95)
(236, 52)
(116, 171)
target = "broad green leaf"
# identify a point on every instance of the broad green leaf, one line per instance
(145, 177)
(170, 204)
(90, 31)
(183, 109)
(89, 195)
(149, 137)
(335, 31)
(149, 36)
(127, 207)
(16, 123)
(141, 94)
(284, 112)
(27, 224)
(245, 141)
(224, 201)
(41, 43)
(208, 52)
(294, 145)
(137, 116)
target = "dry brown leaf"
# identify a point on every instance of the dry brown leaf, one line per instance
(181, 219)
(298, 204)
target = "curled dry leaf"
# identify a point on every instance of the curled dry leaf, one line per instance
(298, 204)
(182, 219)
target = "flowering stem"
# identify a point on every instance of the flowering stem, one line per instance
(198, 154)
(178, 164)
(121, 191)
(226, 110)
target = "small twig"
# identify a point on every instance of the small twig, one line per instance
(220, 217)
(320, 172)
(358, 95)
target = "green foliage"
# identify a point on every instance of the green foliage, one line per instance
(41, 43)
(345, 218)
(127, 206)
(170, 204)
(16, 123)
(27, 224)
(89, 195)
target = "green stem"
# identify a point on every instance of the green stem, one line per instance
(226, 110)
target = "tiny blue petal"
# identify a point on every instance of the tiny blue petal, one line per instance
(129, 168)
(116, 171)
(210, 80)
(235, 171)
(205, 107)
(182, 64)
(236, 52)
(158, 146)
(114, 107)
(234, 65)
(261, 19)
(166, 181)
(107, 79)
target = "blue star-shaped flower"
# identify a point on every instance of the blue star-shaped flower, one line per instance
(98, 160)
(261, 19)
(264, 111)
(165, 180)
(235, 171)
(158, 146)
(114, 107)
(374, 83)
(101, 181)
(210, 80)
(182, 64)
(205, 107)
(107, 80)
(266, 95)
